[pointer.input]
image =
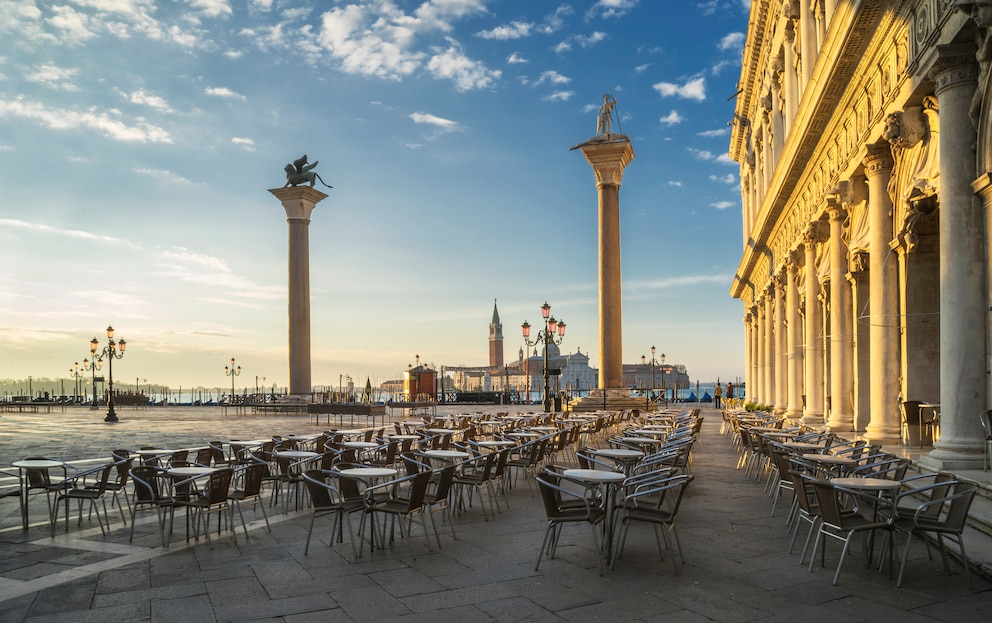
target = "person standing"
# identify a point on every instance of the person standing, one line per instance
(717, 393)
(729, 392)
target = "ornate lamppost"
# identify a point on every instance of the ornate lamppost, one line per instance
(232, 372)
(94, 366)
(654, 368)
(552, 333)
(113, 350)
(75, 374)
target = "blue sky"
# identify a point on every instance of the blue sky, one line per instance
(138, 140)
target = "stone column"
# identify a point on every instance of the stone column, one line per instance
(781, 346)
(768, 348)
(608, 160)
(753, 381)
(748, 354)
(299, 202)
(794, 409)
(807, 44)
(841, 342)
(758, 391)
(813, 353)
(883, 302)
(962, 268)
(791, 76)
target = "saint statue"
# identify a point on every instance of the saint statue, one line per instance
(604, 122)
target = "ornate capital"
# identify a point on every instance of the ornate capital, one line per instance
(608, 160)
(878, 160)
(955, 65)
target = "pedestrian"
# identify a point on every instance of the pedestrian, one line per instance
(717, 393)
(729, 393)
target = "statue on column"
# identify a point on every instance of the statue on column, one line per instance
(299, 172)
(604, 122)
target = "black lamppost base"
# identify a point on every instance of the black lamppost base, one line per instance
(111, 417)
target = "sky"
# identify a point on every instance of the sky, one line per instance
(138, 140)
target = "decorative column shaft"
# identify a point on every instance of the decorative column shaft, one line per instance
(813, 354)
(883, 303)
(794, 409)
(608, 160)
(758, 390)
(962, 268)
(841, 336)
(754, 376)
(807, 43)
(768, 348)
(781, 346)
(299, 202)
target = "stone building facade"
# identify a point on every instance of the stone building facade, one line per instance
(864, 138)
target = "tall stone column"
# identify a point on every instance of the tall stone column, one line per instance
(794, 409)
(841, 335)
(754, 378)
(299, 202)
(608, 160)
(791, 75)
(813, 354)
(962, 268)
(768, 348)
(883, 302)
(758, 391)
(807, 44)
(781, 346)
(748, 355)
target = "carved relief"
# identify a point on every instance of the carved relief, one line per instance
(915, 144)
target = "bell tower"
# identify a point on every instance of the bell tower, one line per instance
(495, 340)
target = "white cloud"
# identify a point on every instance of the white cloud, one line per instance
(694, 88)
(672, 118)
(701, 154)
(516, 59)
(224, 92)
(466, 73)
(106, 122)
(145, 98)
(710, 6)
(723, 205)
(729, 178)
(642, 68)
(714, 133)
(556, 21)
(246, 143)
(59, 231)
(552, 77)
(564, 46)
(733, 41)
(726, 159)
(675, 183)
(165, 178)
(74, 26)
(53, 77)
(587, 41)
(610, 8)
(513, 30)
(445, 125)
(559, 96)
(212, 8)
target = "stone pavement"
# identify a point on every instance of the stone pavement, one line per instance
(737, 568)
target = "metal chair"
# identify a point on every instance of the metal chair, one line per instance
(986, 418)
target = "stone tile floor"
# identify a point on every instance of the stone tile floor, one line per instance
(736, 570)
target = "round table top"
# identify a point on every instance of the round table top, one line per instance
(799, 445)
(296, 454)
(38, 464)
(404, 437)
(495, 444)
(641, 440)
(522, 434)
(250, 442)
(543, 428)
(153, 452)
(647, 432)
(619, 453)
(447, 454)
(776, 434)
(368, 472)
(300, 437)
(190, 471)
(439, 431)
(830, 458)
(872, 484)
(359, 444)
(593, 475)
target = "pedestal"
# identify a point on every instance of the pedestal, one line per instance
(299, 203)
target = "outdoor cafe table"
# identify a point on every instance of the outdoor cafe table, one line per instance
(361, 447)
(446, 455)
(799, 446)
(24, 483)
(609, 481)
(629, 458)
(190, 471)
(832, 462)
(495, 445)
(523, 434)
(372, 473)
(879, 487)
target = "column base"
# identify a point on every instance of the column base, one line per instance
(813, 420)
(943, 460)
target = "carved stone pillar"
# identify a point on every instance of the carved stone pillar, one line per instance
(813, 352)
(794, 339)
(841, 342)
(754, 376)
(758, 391)
(855, 199)
(748, 355)
(768, 395)
(781, 346)
(791, 75)
(962, 254)
(883, 302)
(778, 107)
(299, 202)
(808, 47)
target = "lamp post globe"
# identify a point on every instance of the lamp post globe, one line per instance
(552, 333)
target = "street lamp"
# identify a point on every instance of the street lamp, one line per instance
(94, 366)
(113, 350)
(75, 374)
(232, 372)
(654, 368)
(552, 333)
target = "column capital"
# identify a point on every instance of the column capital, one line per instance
(878, 160)
(298, 201)
(955, 65)
(608, 159)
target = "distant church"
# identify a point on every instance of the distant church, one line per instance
(570, 372)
